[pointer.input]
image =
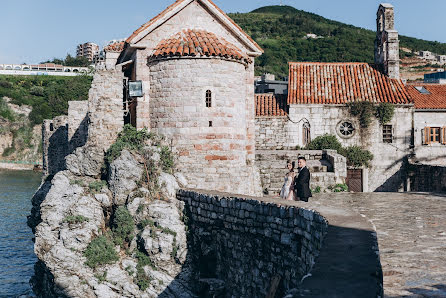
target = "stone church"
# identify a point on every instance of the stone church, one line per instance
(196, 69)
(316, 104)
(318, 94)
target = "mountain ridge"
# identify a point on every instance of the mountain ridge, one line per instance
(282, 32)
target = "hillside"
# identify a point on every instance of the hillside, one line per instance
(25, 101)
(281, 31)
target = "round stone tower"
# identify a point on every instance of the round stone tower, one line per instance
(200, 98)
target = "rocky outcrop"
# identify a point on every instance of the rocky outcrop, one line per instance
(74, 208)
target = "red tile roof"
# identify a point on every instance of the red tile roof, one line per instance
(340, 83)
(436, 99)
(116, 47)
(173, 6)
(198, 42)
(269, 105)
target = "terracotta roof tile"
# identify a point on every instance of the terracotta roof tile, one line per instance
(340, 83)
(436, 99)
(175, 4)
(198, 42)
(116, 47)
(270, 105)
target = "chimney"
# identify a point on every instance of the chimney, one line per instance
(387, 48)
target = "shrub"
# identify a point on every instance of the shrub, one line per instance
(356, 156)
(100, 251)
(364, 110)
(6, 112)
(97, 186)
(317, 189)
(8, 151)
(123, 226)
(384, 112)
(167, 159)
(325, 142)
(141, 278)
(129, 138)
(71, 219)
(37, 91)
(339, 188)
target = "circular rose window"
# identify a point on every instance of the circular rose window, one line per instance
(346, 129)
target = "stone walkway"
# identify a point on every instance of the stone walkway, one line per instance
(411, 230)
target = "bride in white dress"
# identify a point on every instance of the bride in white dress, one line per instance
(287, 191)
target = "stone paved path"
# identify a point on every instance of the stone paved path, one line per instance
(411, 230)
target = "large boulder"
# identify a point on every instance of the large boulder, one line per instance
(124, 174)
(86, 161)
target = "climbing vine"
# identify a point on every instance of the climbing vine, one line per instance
(365, 110)
(384, 112)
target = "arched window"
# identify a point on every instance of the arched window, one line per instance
(306, 133)
(208, 98)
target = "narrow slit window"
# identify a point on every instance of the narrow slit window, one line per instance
(210, 123)
(208, 99)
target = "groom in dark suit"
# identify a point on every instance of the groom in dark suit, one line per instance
(302, 181)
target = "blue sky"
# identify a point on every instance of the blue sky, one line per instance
(32, 31)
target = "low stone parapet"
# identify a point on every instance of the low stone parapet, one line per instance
(255, 246)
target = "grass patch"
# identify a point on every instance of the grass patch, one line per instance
(101, 277)
(142, 280)
(74, 219)
(339, 188)
(122, 226)
(97, 186)
(100, 251)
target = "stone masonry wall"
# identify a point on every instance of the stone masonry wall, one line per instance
(386, 172)
(54, 144)
(213, 143)
(428, 178)
(247, 243)
(272, 133)
(431, 154)
(97, 121)
(327, 167)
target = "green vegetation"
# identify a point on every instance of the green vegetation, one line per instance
(100, 251)
(280, 31)
(365, 110)
(47, 95)
(122, 226)
(317, 189)
(384, 112)
(97, 186)
(5, 111)
(339, 188)
(167, 159)
(73, 219)
(129, 138)
(101, 277)
(70, 61)
(356, 156)
(142, 280)
(325, 142)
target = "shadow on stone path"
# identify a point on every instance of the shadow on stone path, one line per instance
(348, 264)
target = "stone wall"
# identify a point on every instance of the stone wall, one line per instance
(326, 166)
(54, 144)
(272, 133)
(386, 172)
(431, 154)
(214, 144)
(96, 122)
(428, 178)
(248, 243)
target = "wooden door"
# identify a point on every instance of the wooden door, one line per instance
(354, 180)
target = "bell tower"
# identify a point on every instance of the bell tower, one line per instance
(387, 43)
